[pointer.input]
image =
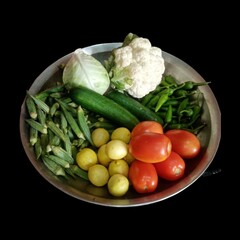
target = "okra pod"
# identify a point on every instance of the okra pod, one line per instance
(38, 126)
(33, 136)
(52, 126)
(72, 122)
(38, 148)
(53, 167)
(62, 153)
(59, 161)
(41, 104)
(41, 116)
(83, 124)
(45, 93)
(67, 107)
(31, 107)
(54, 108)
(79, 172)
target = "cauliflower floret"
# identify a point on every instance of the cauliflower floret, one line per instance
(140, 43)
(138, 67)
(123, 57)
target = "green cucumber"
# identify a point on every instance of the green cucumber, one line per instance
(104, 106)
(135, 107)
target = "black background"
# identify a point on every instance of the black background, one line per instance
(37, 41)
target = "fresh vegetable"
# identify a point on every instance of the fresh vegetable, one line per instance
(147, 126)
(143, 176)
(185, 143)
(85, 70)
(136, 67)
(172, 168)
(104, 106)
(150, 147)
(134, 106)
(83, 125)
(180, 105)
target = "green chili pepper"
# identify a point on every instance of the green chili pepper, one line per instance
(182, 105)
(189, 85)
(170, 79)
(153, 101)
(163, 98)
(147, 98)
(168, 117)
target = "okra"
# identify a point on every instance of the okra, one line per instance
(41, 104)
(52, 126)
(72, 122)
(62, 153)
(79, 172)
(54, 108)
(53, 167)
(41, 116)
(38, 126)
(38, 148)
(67, 107)
(33, 136)
(31, 107)
(59, 161)
(83, 124)
(45, 93)
(67, 144)
(63, 123)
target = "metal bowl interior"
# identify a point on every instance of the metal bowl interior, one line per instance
(85, 191)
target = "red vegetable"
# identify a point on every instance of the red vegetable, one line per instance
(172, 168)
(185, 143)
(143, 176)
(150, 147)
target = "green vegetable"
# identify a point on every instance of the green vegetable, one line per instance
(104, 106)
(85, 70)
(53, 166)
(61, 153)
(41, 104)
(163, 98)
(38, 126)
(134, 106)
(83, 125)
(31, 107)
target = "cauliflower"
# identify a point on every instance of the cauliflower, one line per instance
(136, 67)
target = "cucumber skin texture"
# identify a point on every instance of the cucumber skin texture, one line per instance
(135, 107)
(104, 106)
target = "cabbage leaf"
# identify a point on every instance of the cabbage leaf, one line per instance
(83, 69)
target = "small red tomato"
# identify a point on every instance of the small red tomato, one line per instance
(147, 126)
(150, 147)
(143, 176)
(172, 168)
(185, 143)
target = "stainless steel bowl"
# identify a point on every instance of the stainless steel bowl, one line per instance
(83, 190)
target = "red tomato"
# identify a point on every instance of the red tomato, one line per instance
(185, 143)
(172, 168)
(150, 147)
(147, 126)
(143, 176)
